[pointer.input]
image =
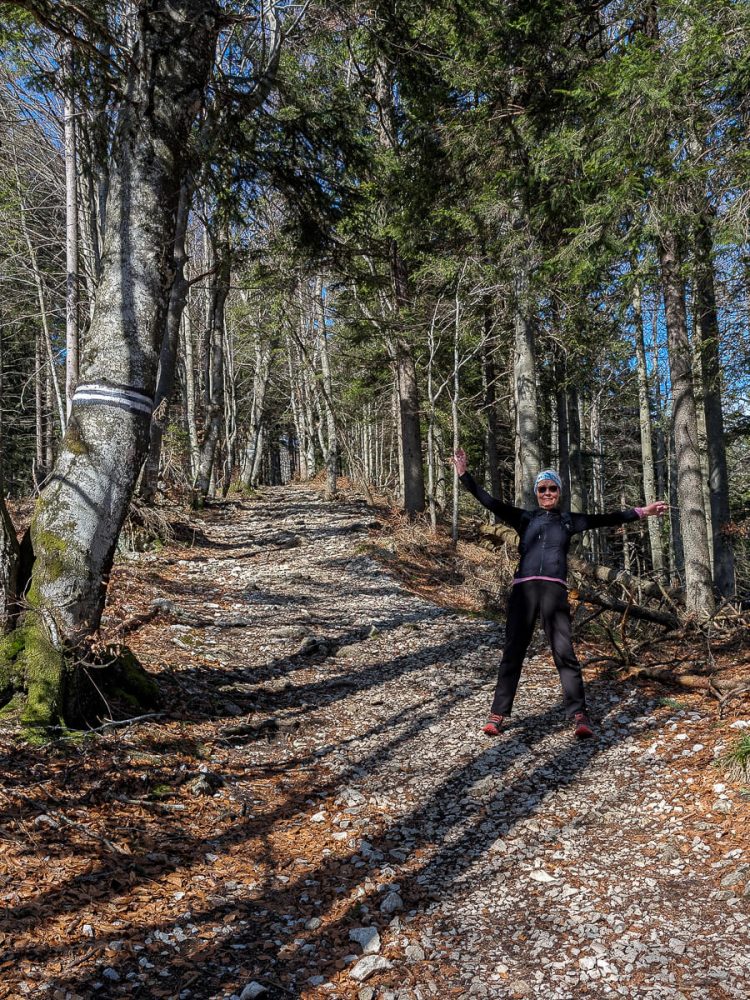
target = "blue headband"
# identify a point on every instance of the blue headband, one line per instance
(548, 474)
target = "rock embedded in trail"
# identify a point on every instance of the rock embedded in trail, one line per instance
(392, 903)
(253, 990)
(368, 966)
(367, 938)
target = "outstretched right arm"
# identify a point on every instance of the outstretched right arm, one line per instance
(507, 513)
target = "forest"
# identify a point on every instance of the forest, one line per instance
(248, 243)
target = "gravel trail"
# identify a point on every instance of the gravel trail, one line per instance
(452, 865)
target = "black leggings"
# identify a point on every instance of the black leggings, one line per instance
(550, 601)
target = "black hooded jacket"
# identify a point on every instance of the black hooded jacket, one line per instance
(544, 535)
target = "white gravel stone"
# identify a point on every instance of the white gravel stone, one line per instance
(391, 903)
(367, 938)
(367, 967)
(253, 990)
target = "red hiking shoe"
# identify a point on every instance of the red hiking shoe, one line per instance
(493, 725)
(583, 728)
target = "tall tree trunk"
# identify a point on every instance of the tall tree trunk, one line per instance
(700, 414)
(454, 414)
(230, 411)
(71, 235)
(48, 409)
(599, 540)
(331, 454)
(308, 416)
(699, 596)
(168, 353)
(405, 370)
(718, 478)
(89, 189)
(215, 378)
(411, 438)
(647, 455)
(490, 401)
(9, 559)
(80, 513)
(574, 450)
(524, 393)
(40, 470)
(190, 392)
(561, 402)
(431, 414)
(9, 552)
(677, 551)
(41, 298)
(254, 442)
(441, 485)
(626, 546)
(295, 404)
(660, 463)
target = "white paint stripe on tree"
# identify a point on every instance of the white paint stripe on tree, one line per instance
(122, 397)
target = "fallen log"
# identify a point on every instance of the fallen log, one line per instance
(607, 574)
(691, 682)
(665, 618)
(501, 534)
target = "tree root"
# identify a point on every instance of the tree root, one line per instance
(52, 689)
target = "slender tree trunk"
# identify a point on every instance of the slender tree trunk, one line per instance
(441, 486)
(41, 298)
(699, 594)
(647, 455)
(718, 478)
(215, 381)
(561, 401)
(524, 393)
(490, 402)
(9, 551)
(331, 445)
(295, 402)
(254, 444)
(307, 397)
(89, 231)
(71, 235)
(230, 411)
(700, 414)
(411, 439)
(661, 444)
(677, 551)
(168, 353)
(49, 421)
(405, 370)
(454, 414)
(574, 450)
(431, 425)
(396, 440)
(456, 443)
(190, 394)
(599, 541)
(626, 546)
(9, 560)
(40, 470)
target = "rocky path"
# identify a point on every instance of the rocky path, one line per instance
(367, 841)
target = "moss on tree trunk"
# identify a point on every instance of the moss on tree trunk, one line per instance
(50, 690)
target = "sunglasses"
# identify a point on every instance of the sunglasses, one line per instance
(546, 489)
